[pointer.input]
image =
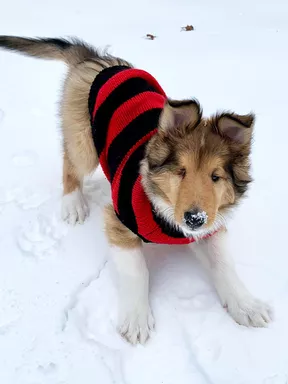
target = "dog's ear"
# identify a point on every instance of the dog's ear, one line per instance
(237, 128)
(178, 114)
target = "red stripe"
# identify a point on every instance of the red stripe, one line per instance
(116, 180)
(147, 227)
(120, 78)
(104, 165)
(131, 109)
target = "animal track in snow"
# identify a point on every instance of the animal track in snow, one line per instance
(48, 368)
(6, 327)
(24, 159)
(24, 198)
(41, 237)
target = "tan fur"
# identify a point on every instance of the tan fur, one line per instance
(70, 179)
(204, 194)
(218, 146)
(76, 127)
(117, 233)
(180, 159)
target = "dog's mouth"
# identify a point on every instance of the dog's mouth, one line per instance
(191, 231)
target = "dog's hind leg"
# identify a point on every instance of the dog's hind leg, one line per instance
(74, 205)
(79, 160)
(80, 157)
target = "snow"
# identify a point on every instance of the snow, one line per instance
(58, 304)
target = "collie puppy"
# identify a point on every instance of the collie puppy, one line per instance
(174, 174)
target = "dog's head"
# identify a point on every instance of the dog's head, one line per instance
(196, 168)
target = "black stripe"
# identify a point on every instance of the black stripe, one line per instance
(99, 81)
(129, 176)
(126, 215)
(166, 227)
(117, 97)
(141, 237)
(131, 134)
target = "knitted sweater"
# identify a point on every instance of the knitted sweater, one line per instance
(125, 106)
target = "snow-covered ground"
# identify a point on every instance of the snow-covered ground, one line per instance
(58, 304)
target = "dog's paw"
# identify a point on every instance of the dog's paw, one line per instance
(136, 325)
(74, 208)
(249, 311)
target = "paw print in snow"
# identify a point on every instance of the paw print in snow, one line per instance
(24, 198)
(41, 237)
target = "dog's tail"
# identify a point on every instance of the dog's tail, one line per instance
(72, 51)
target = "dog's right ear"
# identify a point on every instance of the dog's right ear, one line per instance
(177, 114)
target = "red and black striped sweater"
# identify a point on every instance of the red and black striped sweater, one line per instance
(125, 106)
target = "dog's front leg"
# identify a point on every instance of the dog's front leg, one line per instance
(242, 306)
(135, 317)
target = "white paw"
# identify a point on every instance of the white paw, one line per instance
(249, 311)
(136, 325)
(74, 207)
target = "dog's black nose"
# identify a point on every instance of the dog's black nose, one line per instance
(195, 218)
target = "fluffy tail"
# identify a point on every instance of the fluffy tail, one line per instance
(72, 51)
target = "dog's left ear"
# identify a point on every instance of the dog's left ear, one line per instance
(237, 128)
(178, 114)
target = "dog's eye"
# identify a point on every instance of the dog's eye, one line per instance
(215, 178)
(181, 172)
